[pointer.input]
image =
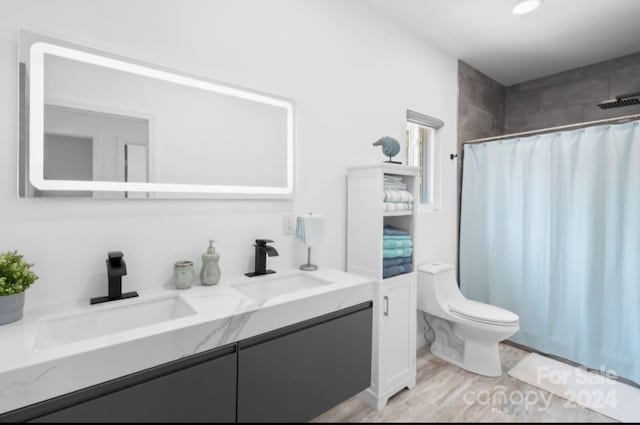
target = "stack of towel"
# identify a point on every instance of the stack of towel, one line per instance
(397, 250)
(394, 182)
(396, 196)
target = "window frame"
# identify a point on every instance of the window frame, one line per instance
(432, 174)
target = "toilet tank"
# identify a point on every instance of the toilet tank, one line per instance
(437, 287)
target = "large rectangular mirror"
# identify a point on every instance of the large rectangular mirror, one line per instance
(98, 125)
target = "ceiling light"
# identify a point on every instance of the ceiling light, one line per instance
(526, 6)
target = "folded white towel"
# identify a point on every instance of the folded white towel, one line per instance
(310, 229)
(391, 185)
(389, 178)
(398, 206)
(393, 195)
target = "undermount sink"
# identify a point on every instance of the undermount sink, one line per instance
(109, 319)
(266, 288)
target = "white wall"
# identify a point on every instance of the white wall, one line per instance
(352, 74)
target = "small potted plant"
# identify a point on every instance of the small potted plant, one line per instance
(15, 277)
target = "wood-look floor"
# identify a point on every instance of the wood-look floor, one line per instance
(446, 393)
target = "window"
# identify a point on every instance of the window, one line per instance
(422, 152)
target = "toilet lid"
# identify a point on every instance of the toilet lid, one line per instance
(484, 313)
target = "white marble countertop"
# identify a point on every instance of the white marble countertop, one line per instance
(29, 374)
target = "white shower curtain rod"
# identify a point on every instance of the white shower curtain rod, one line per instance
(562, 127)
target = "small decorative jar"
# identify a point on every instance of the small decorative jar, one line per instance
(183, 274)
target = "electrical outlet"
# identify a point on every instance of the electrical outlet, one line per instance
(288, 224)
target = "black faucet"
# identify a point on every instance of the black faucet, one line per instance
(116, 268)
(262, 250)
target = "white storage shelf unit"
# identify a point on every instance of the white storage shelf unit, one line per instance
(366, 216)
(394, 306)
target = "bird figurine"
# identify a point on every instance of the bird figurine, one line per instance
(390, 148)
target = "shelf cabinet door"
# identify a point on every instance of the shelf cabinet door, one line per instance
(204, 392)
(397, 332)
(299, 375)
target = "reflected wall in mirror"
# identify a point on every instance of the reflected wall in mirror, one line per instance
(97, 125)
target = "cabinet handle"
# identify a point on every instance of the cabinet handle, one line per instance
(386, 307)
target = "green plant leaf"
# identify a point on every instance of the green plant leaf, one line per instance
(15, 274)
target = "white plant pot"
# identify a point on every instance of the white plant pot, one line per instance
(11, 308)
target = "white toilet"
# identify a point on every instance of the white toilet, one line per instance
(467, 332)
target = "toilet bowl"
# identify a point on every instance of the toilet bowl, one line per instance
(467, 332)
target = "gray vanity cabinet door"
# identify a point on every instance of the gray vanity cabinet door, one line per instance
(205, 392)
(303, 373)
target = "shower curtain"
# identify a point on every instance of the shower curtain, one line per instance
(550, 229)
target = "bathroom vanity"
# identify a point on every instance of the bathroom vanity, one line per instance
(287, 352)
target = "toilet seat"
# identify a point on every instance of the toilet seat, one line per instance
(483, 313)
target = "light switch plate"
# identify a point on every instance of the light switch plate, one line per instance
(288, 224)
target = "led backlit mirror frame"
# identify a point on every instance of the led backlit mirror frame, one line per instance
(34, 137)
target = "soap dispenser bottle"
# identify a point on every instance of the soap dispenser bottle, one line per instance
(210, 273)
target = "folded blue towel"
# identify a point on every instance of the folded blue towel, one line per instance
(390, 230)
(396, 237)
(397, 243)
(387, 262)
(397, 252)
(396, 270)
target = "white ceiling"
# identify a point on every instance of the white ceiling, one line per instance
(560, 35)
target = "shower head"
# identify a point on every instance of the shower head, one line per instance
(620, 101)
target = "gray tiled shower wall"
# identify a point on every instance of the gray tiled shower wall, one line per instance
(487, 108)
(481, 104)
(572, 96)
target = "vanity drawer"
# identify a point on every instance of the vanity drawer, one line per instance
(295, 374)
(199, 388)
